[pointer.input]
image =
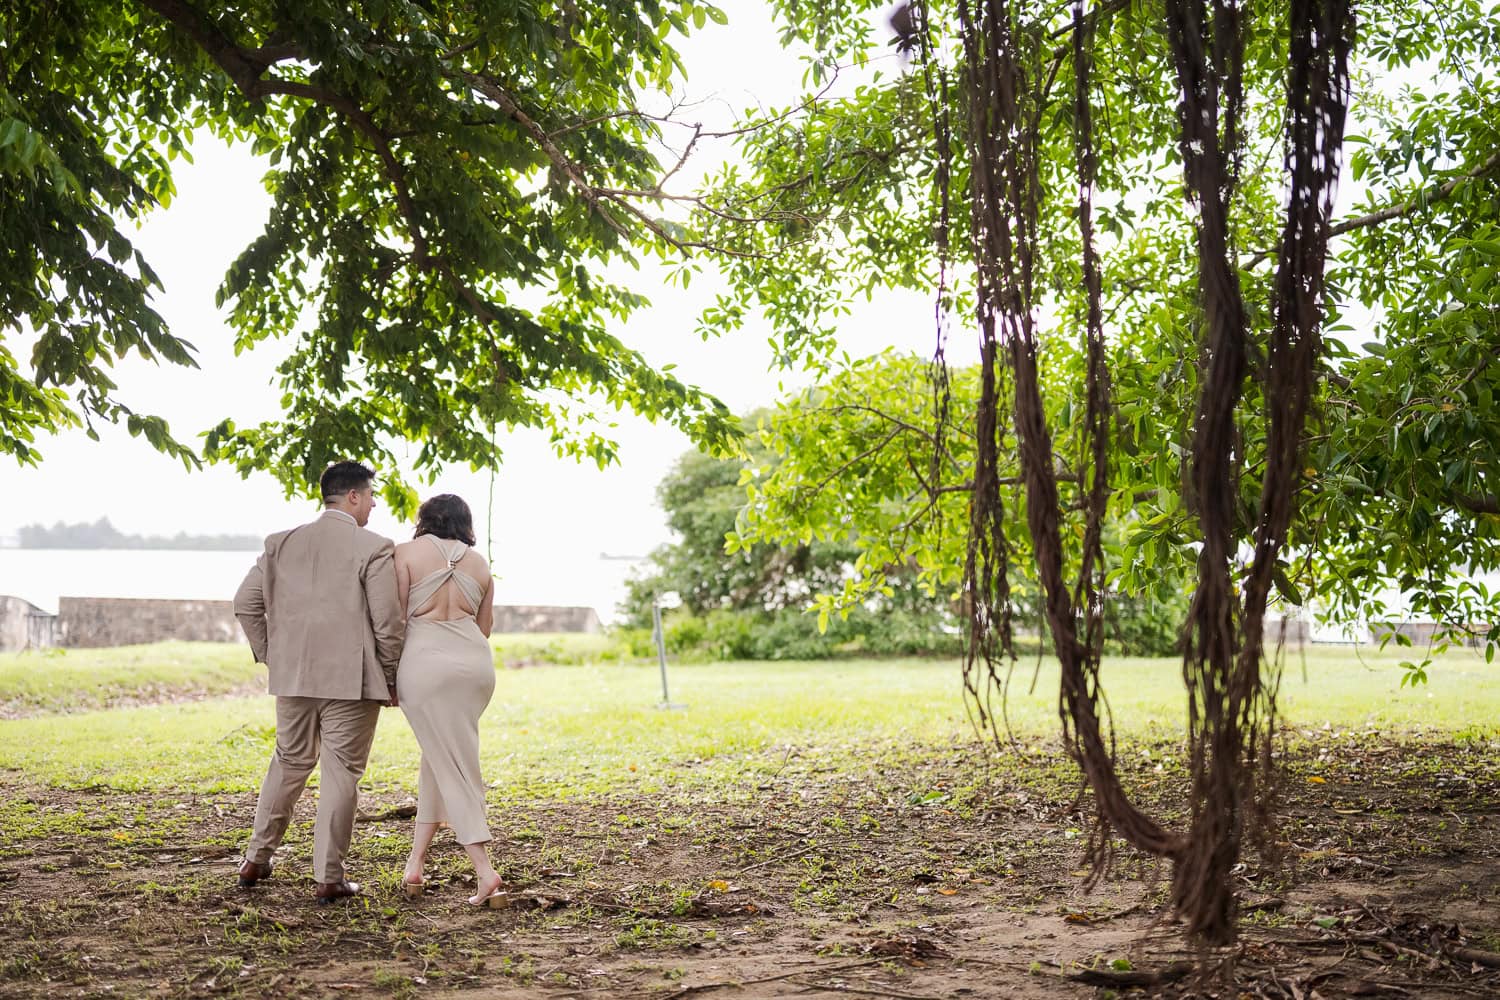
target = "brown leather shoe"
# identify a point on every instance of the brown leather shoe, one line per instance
(329, 892)
(252, 872)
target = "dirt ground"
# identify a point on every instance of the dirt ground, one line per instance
(913, 875)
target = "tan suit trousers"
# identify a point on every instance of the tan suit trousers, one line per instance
(339, 733)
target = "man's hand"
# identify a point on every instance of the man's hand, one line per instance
(394, 702)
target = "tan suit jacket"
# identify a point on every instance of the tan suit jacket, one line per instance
(321, 611)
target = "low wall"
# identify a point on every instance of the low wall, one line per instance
(90, 622)
(1286, 632)
(545, 618)
(23, 625)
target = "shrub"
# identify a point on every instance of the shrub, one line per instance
(1144, 626)
(730, 636)
(790, 634)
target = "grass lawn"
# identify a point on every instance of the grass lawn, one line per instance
(795, 828)
(63, 680)
(58, 680)
(563, 731)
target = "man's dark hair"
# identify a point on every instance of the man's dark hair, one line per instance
(341, 477)
(446, 516)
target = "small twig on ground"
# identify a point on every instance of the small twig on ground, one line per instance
(1394, 949)
(872, 991)
(1112, 979)
(1118, 914)
(424, 917)
(784, 760)
(1272, 905)
(785, 857)
(1488, 959)
(1018, 966)
(883, 899)
(1376, 865)
(734, 985)
(286, 923)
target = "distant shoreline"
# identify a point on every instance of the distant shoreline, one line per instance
(103, 536)
(133, 548)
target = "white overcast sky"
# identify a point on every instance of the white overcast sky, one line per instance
(545, 507)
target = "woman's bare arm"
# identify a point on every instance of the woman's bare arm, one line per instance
(485, 614)
(403, 578)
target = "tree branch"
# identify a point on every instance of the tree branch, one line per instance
(560, 160)
(241, 66)
(361, 120)
(1424, 199)
(1488, 503)
(867, 453)
(245, 68)
(270, 54)
(595, 196)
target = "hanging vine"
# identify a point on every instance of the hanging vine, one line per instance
(1230, 707)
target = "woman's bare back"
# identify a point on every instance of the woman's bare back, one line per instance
(420, 558)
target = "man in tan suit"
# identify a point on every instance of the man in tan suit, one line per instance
(321, 612)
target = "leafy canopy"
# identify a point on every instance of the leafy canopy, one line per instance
(449, 180)
(1402, 478)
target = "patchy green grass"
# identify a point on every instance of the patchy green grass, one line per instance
(522, 649)
(70, 679)
(591, 729)
(790, 815)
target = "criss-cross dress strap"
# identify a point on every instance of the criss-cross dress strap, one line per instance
(425, 589)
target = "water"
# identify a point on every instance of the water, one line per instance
(41, 576)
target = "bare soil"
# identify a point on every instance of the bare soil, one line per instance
(953, 874)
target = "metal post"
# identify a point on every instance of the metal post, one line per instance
(661, 650)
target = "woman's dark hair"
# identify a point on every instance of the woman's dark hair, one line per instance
(446, 516)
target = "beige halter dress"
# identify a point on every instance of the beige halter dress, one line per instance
(445, 681)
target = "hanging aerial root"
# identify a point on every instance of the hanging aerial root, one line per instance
(1230, 708)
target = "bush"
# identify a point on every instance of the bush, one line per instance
(730, 636)
(1144, 626)
(635, 642)
(683, 632)
(1133, 627)
(909, 633)
(791, 634)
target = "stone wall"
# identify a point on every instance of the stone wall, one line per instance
(544, 618)
(88, 622)
(1286, 631)
(23, 625)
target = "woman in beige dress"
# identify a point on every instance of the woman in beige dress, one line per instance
(445, 681)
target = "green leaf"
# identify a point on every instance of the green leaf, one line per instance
(1285, 587)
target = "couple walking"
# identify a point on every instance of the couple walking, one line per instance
(346, 622)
